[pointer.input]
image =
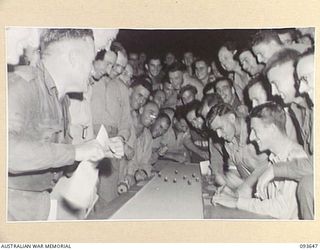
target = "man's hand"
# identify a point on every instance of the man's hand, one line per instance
(244, 191)
(263, 181)
(163, 150)
(219, 179)
(116, 147)
(90, 151)
(224, 200)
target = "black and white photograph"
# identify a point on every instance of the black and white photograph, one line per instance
(160, 124)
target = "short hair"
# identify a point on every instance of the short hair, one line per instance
(156, 91)
(192, 106)
(116, 47)
(270, 113)
(309, 52)
(209, 86)
(218, 110)
(133, 53)
(211, 100)
(230, 45)
(142, 82)
(154, 57)
(190, 88)
(258, 80)
(176, 66)
(240, 51)
(202, 60)
(150, 103)
(255, 81)
(265, 36)
(188, 51)
(220, 79)
(291, 31)
(169, 111)
(164, 116)
(50, 36)
(280, 58)
(100, 55)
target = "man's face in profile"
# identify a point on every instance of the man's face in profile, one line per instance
(305, 74)
(260, 133)
(224, 126)
(282, 81)
(264, 51)
(78, 66)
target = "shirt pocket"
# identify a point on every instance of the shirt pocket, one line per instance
(51, 132)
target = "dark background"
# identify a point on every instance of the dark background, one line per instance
(203, 43)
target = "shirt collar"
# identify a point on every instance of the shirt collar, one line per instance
(283, 156)
(47, 79)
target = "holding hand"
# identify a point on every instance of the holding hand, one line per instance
(116, 147)
(224, 200)
(90, 151)
(163, 150)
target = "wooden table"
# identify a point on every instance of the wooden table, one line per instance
(167, 199)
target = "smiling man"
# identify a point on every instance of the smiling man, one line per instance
(38, 121)
(226, 57)
(267, 129)
(154, 71)
(142, 123)
(280, 73)
(249, 63)
(244, 165)
(202, 71)
(300, 170)
(158, 130)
